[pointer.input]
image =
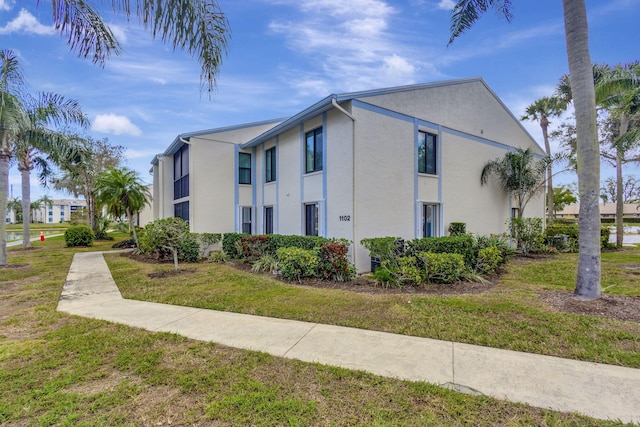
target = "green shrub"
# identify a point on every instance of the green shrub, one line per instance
(79, 235)
(457, 228)
(464, 245)
(205, 241)
(489, 259)
(296, 263)
(217, 256)
(409, 271)
(555, 236)
(277, 241)
(267, 263)
(385, 278)
(384, 249)
(230, 244)
(254, 247)
(528, 234)
(169, 238)
(189, 250)
(333, 262)
(442, 267)
(499, 241)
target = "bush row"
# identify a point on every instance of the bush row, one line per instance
(436, 259)
(564, 237)
(253, 247)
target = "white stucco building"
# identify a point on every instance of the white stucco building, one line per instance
(402, 161)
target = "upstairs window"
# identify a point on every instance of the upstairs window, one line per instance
(313, 151)
(244, 168)
(270, 164)
(181, 173)
(427, 153)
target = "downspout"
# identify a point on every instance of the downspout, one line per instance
(353, 171)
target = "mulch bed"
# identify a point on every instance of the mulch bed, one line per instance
(618, 307)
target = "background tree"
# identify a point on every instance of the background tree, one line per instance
(464, 15)
(122, 192)
(11, 114)
(197, 26)
(37, 145)
(79, 176)
(15, 206)
(541, 110)
(519, 173)
(619, 92)
(630, 190)
(563, 196)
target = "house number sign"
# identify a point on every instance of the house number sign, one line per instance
(344, 217)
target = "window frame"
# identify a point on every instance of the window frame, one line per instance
(243, 220)
(244, 172)
(311, 225)
(313, 155)
(270, 165)
(434, 223)
(268, 220)
(427, 157)
(181, 210)
(181, 173)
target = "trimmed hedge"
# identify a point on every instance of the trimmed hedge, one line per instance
(555, 236)
(252, 247)
(463, 245)
(297, 263)
(79, 235)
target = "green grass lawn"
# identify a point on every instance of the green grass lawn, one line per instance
(57, 369)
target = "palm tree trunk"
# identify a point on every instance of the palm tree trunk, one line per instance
(624, 126)
(544, 124)
(26, 207)
(4, 196)
(588, 168)
(132, 227)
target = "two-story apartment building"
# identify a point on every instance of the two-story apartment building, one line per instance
(403, 161)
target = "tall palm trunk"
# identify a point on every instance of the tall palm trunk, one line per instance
(26, 206)
(544, 124)
(624, 126)
(4, 196)
(588, 168)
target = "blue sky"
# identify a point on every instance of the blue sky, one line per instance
(285, 55)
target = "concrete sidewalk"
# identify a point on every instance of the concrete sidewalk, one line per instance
(597, 390)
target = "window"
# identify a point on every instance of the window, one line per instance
(311, 219)
(313, 151)
(246, 219)
(244, 168)
(268, 220)
(427, 153)
(270, 164)
(61, 213)
(181, 173)
(50, 214)
(429, 220)
(181, 210)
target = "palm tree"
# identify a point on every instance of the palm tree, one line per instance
(541, 110)
(37, 146)
(121, 191)
(15, 206)
(519, 173)
(619, 92)
(197, 26)
(464, 15)
(11, 83)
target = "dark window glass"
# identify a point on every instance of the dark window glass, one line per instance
(427, 153)
(181, 173)
(246, 220)
(268, 220)
(311, 219)
(181, 210)
(270, 164)
(429, 220)
(313, 151)
(244, 168)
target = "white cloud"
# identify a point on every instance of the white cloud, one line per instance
(6, 5)
(446, 4)
(115, 124)
(132, 153)
(26, 23)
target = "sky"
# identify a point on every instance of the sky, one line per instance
(285, 55)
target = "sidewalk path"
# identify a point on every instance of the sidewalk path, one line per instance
(33, 239)
(598, 390)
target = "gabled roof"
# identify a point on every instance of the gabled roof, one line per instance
(178, 141)
(327, 104)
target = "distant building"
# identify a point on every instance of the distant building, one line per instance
(60, 211)
(607, 210)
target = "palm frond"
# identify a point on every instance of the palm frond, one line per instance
(466, 12)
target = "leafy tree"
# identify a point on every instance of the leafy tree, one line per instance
(541, 110)
(37, 145)
(11, 115)
(519, 173)
(563, 196)
(630, 190)
(197, 26)
(619, 92)
(15, 206)
(464, 15)
(79, 176)
(121, 191)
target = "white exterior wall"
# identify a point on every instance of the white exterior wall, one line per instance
(289, 209)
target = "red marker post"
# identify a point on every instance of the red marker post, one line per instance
(41, 236)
